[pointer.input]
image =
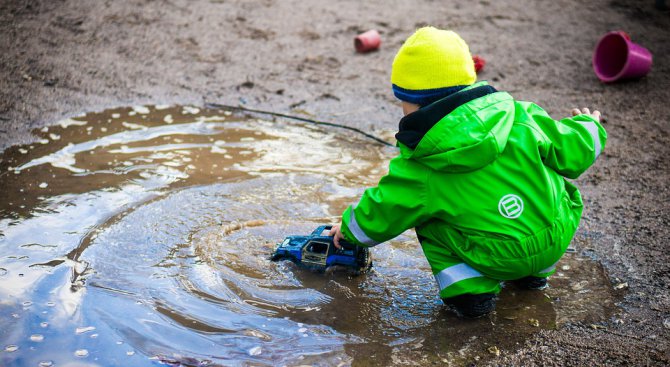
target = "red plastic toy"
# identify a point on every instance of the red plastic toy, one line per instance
(479, 63)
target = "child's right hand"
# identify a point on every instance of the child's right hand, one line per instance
(336, 232)
(586, 111)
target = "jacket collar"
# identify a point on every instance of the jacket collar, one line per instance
(414, 126)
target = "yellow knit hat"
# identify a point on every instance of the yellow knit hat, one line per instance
(429, 62)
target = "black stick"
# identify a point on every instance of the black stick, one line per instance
(311, 121)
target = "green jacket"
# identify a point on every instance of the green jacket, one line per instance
(482, 176)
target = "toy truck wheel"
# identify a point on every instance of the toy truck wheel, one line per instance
(364, 261)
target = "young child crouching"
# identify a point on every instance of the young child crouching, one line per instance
(480, 176)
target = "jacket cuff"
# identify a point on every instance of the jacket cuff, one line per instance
(352, 231)
(593, 128)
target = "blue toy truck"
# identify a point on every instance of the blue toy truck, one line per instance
(318, 252)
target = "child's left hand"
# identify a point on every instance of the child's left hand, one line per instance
(595, 114)
(337, 235)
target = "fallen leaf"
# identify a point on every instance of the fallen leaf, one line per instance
(494, 350)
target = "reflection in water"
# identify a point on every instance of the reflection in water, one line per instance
(142, 236)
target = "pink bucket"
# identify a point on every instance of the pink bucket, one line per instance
(616, 58)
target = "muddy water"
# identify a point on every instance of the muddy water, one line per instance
(140, 236)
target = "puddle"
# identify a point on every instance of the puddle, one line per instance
(141, 236)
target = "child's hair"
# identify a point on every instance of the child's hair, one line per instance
(431, 64)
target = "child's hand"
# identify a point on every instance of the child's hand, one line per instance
(337, 235)
(585, 111)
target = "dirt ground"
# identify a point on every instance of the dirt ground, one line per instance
(60, 58)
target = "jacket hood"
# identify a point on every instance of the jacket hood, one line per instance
(459, 133)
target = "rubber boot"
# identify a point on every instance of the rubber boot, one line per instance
(472, 305)
(531, 282)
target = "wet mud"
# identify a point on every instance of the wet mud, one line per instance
(143, 234)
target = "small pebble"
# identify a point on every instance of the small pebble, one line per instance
(81, 353)
(255, 351)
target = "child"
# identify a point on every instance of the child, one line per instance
(479, 176)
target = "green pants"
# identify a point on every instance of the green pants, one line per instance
(455, 277)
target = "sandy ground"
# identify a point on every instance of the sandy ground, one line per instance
(65, 57)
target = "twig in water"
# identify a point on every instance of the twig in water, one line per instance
(298, 118)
